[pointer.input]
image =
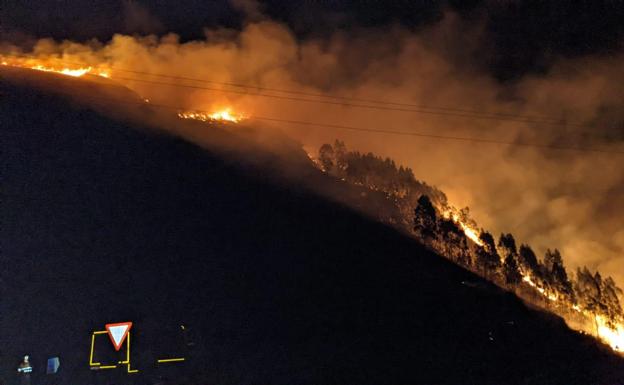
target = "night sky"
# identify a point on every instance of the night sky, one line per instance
(109, 220)
(519, 37)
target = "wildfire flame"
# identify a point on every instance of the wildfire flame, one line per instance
(470, 232)
(223, 115)
(40, 65)
(612, 336)
(551, 296)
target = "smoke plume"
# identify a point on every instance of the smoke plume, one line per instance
(547, 197)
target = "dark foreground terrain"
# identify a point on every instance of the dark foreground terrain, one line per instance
(102, 222)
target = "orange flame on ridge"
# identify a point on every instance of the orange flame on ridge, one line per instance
(223, 115)
(41, 65)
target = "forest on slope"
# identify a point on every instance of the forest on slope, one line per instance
(108, 220)
(587, 300)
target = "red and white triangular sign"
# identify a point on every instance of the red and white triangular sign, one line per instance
(118, 333)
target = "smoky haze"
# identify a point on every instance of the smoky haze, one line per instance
(570, 200)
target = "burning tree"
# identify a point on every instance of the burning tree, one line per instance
(454, 242)
(379, 174)
(425, 211)
(529, 265)
(598, 297)
(556, 275)
(507, 249)
(488, 260)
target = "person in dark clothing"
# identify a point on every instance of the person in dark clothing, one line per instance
(24, 369)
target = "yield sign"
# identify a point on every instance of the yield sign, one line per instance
(118, 333)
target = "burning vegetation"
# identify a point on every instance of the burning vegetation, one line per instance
(588, 302)
(220, 115)
(52, 65)
(224, 115)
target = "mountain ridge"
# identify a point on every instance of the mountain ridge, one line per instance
(105, 222)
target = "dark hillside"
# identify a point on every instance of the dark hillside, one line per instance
(275, 285)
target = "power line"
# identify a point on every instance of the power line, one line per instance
(349, 99)
(345, 104)
(378, 131)
(457, 138)
(370, 130)
(315, 101)
(338, 100)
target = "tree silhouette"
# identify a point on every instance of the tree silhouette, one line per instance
(528, 261)
(418, 205)
(487, 257)
(510, 271)
(507, 250)
(610, 299)
(425, 219)
(507, 245)
(454, 241)
(327, 157)
(588, 293)
(557, 276)
(340, 154)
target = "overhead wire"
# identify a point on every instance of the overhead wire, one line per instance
(355, 128)
(179, 109)
(324, 98)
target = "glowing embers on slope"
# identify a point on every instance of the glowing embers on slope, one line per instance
(612, 336)
(470, 232)
(41, 65)
(224, 115)
(551, 296)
